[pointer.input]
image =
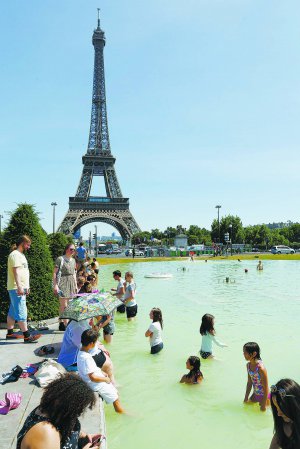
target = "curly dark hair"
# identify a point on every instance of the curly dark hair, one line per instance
(64, 400)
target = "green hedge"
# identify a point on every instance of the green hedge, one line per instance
(57, 243)
(41, 302)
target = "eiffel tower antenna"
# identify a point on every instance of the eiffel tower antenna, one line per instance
(98, 17)
(113, 208)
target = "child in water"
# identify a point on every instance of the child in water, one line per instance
(260, 266)
(208, 336)
(195, 375)
(285, 402)
(257, 376)
(155, 330)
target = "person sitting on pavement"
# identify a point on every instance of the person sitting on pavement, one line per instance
(54, 423)
(96, 379)
(71, 345)
(80, 283)
(92, 278)
(95, 262)
(86, 288)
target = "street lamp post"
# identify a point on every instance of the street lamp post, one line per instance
(231, 230)
(218, 207)
(1, 216)
(54, 205)
(96, 238)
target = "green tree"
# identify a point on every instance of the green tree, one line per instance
(193, 239)
(277, 238)
(57, 243)
(202, 234)
(157, 234)
(170, 232)
(205, 237)
(141, 237)
(225, 222)
(41, 302)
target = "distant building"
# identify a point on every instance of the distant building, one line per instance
(279, 225)
(181, 241)
(105, 238)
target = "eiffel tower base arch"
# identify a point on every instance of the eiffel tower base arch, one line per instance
(122, 220)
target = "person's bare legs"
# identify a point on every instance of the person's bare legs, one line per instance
(11, 323)
(108, 369)
(107, 338)
(118, 407)
(63, 304)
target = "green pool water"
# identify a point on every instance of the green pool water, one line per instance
(257, 306)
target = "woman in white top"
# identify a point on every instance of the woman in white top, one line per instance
(155, 330)
(208, 332)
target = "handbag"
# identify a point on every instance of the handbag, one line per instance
(49, 371)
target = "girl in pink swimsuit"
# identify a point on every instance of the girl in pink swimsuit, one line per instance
(257, 376)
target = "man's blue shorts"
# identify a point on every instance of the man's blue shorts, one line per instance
(17, 308)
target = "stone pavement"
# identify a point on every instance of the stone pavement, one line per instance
(17, 353)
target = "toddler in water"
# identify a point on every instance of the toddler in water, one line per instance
(208, 336)
(195, 375)
(257, 376)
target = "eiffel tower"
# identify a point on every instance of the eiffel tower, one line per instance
(112, 209)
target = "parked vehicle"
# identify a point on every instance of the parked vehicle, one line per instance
(282, 249)
(138, 252)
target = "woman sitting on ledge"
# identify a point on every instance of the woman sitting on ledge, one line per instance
(71, 346)
(54, 423)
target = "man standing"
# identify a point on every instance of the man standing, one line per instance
(18, 288)
(81, 252)
(120, 290)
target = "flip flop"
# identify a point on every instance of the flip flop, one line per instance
(45, 350)
(11, 402)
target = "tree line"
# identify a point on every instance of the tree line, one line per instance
(259, 235)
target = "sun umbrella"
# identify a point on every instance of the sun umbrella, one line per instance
(91, 305)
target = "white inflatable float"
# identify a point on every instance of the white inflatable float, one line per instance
(158, 275)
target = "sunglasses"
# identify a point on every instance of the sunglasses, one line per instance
(71, 249)
(281, 392)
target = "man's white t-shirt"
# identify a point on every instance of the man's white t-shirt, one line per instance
(120, 286)
(156, 330)
(86, 365)
(130, 290)
(16, 259)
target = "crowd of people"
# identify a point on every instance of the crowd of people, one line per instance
(54, 423)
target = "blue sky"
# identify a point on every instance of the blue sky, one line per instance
(203, 106)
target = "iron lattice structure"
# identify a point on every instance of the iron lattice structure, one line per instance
(99, 161)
